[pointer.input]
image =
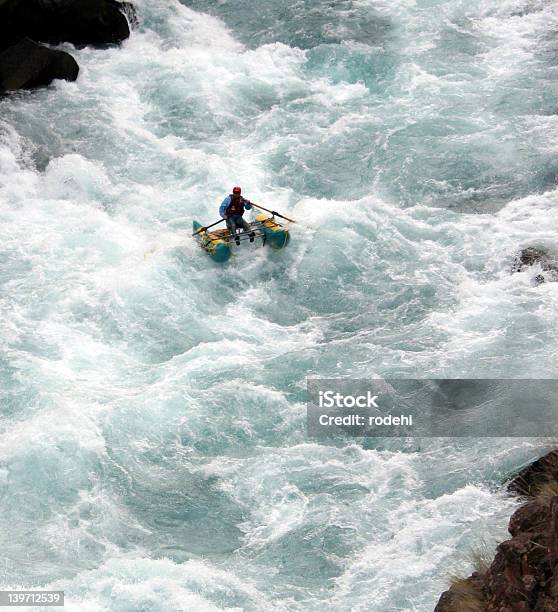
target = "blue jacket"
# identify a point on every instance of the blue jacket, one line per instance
(227, 201)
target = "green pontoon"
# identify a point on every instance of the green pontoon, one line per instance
(220, 243)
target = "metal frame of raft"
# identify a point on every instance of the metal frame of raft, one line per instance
(218, 244)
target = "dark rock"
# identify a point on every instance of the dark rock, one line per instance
(464, 595)
(81, 22)
(25, 64)
(532, 256)
(520, 562)
(530, 480)
(529, 257)
(130, 11)
(28, 64)
(530, 517)
(524, 573)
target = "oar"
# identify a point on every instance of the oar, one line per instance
(273, 212)
(202, 229)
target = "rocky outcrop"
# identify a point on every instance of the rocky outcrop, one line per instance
(28, 64)
(538, 478)
(24, 63)
(81, 22)
(531, 257)
(524, 574)
(130, 11)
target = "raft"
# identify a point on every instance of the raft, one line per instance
(219, 244)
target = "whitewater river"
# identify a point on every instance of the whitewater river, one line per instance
(153, 447)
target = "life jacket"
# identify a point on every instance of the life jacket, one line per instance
(236, 206)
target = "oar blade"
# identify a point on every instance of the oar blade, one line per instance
(273, 212)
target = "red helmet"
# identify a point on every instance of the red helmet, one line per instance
(236, 190)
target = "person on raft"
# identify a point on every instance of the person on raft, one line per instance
(232, 210)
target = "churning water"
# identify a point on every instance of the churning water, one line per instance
(153, 452)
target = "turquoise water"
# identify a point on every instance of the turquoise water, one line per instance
(153, 453)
